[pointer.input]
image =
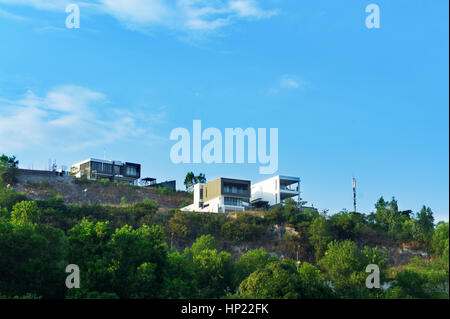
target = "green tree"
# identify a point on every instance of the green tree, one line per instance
(213, 273)
(179, 280)
(422, 279)
(388, 217)
(213, 269)
(440, 241)
(26, 212)
(348, 225)
(201, 178)
(8, 169)
(9, 197)
(123, 200)
(320, 236)
(137, 259)
(344, 264)
(178, 226)
(424, 224)
(190, 180)
(88, 249)
(250, 262)
(32, 260)
(203, 243)
(278, 280)
(313, 286)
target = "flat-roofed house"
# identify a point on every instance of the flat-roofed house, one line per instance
(274, 190)
(97, 169)
(220, 196)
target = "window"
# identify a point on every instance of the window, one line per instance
(235, 188)
(101, 168)
(231, 201)
(131, 171)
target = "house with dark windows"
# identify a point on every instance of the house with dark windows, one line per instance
(115, 171)
(220, 196)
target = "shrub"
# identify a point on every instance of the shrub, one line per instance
(123, 200)
(105, 182)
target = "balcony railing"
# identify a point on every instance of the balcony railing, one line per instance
(289, 188)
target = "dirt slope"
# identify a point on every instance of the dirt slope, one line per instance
(98, 193)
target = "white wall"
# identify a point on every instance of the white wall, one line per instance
(268, 190)
(197, 188)
(213, 206)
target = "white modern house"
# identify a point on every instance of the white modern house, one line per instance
(274, 190)
(220, 196)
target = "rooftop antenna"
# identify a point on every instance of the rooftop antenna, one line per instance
(354, 194)
(104, 157)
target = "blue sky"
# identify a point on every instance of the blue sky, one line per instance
(347, 100)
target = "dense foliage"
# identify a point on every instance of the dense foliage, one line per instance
(134, 251)
(8, 167)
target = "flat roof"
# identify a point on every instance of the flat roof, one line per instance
(98, 161)
(293, 179)
(232, 179)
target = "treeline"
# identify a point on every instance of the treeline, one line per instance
(134, 251)
(130, 251)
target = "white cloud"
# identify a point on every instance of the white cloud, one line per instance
(288, 82)
(11, 16)
(40, 4)
(139, 12)
(248, 8)
(66, 118)
(184, 16)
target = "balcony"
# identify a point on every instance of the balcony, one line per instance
(289, 188)
(230, 201)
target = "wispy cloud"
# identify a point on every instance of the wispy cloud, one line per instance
(11, 16)
(289, 82)
(67, 118)
(182, 16)
(249, 8)
(39, 4)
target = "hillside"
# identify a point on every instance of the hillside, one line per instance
(133, 242)
(277, 239)
(90, 192)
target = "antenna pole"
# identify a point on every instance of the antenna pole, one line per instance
(354, 194)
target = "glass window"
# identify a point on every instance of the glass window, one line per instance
(232, 201)
(131, 171)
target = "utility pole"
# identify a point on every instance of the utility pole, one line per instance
(354, 194)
